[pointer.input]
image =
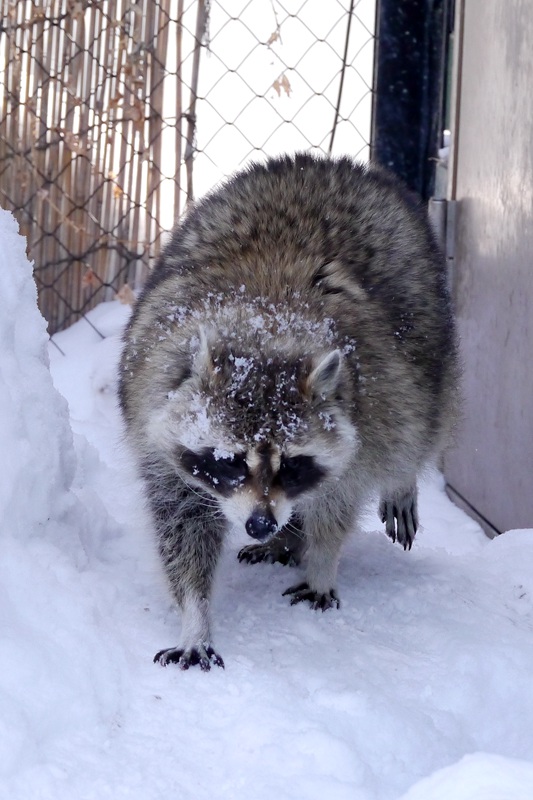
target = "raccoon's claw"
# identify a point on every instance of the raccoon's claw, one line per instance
(319, 601)
(401, 519)
(202, 655)
(255, 553)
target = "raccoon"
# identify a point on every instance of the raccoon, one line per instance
(292, 354)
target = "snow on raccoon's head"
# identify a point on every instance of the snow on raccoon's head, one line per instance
(260, 431)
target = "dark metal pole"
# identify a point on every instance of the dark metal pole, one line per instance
(409, 88)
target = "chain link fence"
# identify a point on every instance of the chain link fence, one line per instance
(115, 114)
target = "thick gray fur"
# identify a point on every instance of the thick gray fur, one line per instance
(292, 353)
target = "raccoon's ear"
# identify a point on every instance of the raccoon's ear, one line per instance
(202, 359)
(324, 377)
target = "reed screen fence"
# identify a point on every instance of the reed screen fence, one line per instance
(116, 113)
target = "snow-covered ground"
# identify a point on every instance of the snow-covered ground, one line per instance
(420, 687)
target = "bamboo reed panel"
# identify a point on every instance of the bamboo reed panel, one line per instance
(179, 109)
(83, 104)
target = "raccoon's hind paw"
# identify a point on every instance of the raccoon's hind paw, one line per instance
(254, 553)
(401, 518)
(319, 601)
(203, 655)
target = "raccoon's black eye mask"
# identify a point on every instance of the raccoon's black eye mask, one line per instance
(298, 474)
(222, 474)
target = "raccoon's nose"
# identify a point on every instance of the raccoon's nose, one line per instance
(261, 525)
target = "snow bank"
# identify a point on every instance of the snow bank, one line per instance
(479, 776)
(36, 443)
(47, 646)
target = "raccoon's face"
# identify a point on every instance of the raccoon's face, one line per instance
(257, 489)
(262, 436)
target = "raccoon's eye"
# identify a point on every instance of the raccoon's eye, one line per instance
(298, 474)
(223, 474)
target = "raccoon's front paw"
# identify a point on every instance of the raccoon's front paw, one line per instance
(319, 601)
(203, 655)
(254, 553)
(401, 518)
